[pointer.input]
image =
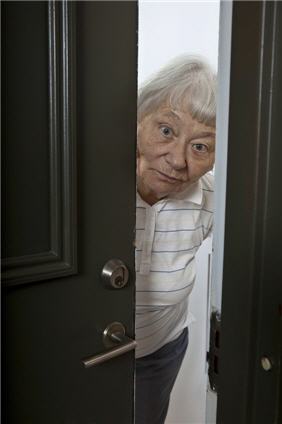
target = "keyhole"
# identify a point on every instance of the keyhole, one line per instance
(119, 281)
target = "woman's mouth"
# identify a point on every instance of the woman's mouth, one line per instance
(168, 178)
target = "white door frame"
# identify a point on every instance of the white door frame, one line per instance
(222, 121)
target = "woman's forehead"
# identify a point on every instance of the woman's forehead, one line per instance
(177, 115)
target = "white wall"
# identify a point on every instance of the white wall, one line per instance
(188, 399)
(169, 28)
(166, 29)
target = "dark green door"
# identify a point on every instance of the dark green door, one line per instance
(68, 102)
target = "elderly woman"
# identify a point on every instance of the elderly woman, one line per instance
(176, 149)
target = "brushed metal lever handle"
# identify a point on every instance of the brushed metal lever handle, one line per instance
(113, 334)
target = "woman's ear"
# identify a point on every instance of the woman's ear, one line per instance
(137, 144)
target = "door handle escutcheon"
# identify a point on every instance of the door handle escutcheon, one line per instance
(116, 343)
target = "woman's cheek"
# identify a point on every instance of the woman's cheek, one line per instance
(141, 166)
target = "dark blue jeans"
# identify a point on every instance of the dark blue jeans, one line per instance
(154, 378)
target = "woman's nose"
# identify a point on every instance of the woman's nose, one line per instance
(176, 157)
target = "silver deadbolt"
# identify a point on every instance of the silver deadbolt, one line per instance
(115, 274)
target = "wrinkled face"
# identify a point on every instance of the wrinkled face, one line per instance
(173, 151)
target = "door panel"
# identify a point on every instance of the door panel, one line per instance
(54, 318)
(252, 290)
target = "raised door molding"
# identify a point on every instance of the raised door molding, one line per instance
(61, 259)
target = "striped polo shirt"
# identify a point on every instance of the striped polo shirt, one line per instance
(168, 235)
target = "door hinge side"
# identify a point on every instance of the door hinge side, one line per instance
(213, 354)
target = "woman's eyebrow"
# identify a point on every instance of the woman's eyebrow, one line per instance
(170, 114)
(204, 134)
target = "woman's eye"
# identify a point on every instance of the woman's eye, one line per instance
(201, 148)
(166, 131)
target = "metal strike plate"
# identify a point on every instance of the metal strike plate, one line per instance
(214, 351)
(115, 274)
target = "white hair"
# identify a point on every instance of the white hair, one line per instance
(185, 83)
